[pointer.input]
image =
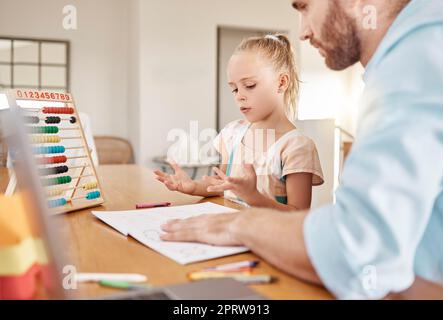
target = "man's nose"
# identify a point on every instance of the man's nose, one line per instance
(305, 30)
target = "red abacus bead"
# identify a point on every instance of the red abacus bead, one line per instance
(52, 160)
(59, 159)
(44, 160)
(69, 110)
(56, 110)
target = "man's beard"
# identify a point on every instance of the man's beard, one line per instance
(342, 45)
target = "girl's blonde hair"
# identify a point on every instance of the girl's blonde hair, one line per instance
(278, 49)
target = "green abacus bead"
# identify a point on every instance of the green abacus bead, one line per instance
(50, 182)
(64, 180)
(51, 129)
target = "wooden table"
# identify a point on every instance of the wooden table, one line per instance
(95, 247)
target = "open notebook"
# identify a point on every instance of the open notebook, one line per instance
(144, 226)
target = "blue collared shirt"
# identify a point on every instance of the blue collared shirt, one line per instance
(387, 224)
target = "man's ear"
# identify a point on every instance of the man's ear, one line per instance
(283, 83)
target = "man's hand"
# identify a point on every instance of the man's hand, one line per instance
(275, 236)
(212, 229)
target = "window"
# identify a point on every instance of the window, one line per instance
(34, 64)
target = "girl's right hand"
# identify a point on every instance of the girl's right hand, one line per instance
(179, 181)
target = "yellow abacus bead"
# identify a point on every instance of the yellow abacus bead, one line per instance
(54, 139)
(37, 139)
(45, 139)
(54, 193)
(90, 186)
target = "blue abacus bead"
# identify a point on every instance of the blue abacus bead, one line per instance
(56, 149)
(49, 150)
(38, 150)
(93, 195)
(57, 203)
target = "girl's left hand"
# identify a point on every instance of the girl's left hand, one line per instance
(243, 187)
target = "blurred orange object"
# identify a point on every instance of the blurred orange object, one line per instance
(23, 260)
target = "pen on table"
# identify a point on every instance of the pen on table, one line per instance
(152, 205)
(235, 265)
(123, 285)
(96, 277)
(242, 269)
(239, 276)
(199, 275)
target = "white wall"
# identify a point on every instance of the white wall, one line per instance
(326, 94)
(133, 106)
(99, 52)
(178, 60)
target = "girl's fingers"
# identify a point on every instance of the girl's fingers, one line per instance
(214, 180)
(171, 186)
(162, 180)
(220, 173)
(160, 173)
(235, 180)
(159, 179)
(175, 180)
(174, 165)
(220, 188)
(217, 182)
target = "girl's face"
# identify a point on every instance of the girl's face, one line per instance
(255, 85)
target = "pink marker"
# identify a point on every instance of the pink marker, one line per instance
(152, 205)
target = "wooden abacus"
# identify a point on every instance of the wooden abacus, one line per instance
(61, 152)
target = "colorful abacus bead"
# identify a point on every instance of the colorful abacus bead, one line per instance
(49, 150)
(53, 120)
(57, 203)
(52, 160)
(57, 181)
(93, 195)
(47, 130)
(90, 186)
(45, 139)
(54, 193)
(53, 171)
(31, 120)
(57, 110)
(73, 120)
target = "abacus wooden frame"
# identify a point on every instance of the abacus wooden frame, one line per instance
(12, 95)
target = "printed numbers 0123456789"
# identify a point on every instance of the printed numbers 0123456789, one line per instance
(43, 95)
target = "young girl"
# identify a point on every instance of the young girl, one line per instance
(266, 161)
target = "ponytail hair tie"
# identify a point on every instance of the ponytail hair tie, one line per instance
(271, 36)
